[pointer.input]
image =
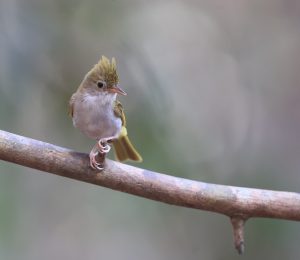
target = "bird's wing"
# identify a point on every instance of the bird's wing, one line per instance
(119, 112)
(71, 104)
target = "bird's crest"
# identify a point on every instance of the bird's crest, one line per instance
(105, 69)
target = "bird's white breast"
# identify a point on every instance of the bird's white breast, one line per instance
(94, 115)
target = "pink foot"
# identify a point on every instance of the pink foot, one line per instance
(94, 163)
(103, 146)
(100, 149)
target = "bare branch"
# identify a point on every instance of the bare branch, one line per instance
(228, 200)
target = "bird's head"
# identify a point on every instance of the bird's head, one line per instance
(103, 78)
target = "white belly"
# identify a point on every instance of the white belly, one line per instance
(94, 116)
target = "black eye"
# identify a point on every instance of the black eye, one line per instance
(100, 84)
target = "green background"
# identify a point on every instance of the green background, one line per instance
(213, 95)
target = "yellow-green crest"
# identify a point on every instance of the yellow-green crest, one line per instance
(106, 70)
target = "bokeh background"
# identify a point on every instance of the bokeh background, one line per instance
(213, 95)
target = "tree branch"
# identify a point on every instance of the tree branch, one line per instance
(237, 203)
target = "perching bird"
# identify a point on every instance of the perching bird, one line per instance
(97, 113)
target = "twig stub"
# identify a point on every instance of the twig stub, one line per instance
(238, 224)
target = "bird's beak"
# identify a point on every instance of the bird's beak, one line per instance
(116, 89)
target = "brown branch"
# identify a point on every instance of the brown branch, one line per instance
(235, 202)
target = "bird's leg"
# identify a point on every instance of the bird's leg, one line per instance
(103, 144)
(93, 161)
(100, 149)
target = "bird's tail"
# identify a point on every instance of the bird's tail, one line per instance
(124, 149)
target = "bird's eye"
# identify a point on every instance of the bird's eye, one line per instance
(100, 84)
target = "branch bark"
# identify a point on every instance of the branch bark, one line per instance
(237, 203)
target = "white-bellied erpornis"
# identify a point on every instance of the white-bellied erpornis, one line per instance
(98, 114)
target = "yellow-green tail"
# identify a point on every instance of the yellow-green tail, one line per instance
(124, 149)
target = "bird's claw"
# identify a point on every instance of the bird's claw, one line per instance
(98, 152)
(93, 161)
(103, 146)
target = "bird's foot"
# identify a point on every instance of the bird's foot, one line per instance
(93, 160)
(98, 152)
(103, 146)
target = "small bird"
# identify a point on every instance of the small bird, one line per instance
(97, 113)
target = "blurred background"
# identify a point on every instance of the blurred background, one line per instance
(213, 95)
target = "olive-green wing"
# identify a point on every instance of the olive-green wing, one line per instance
(124, 150)
(119, 112)
(71, 104)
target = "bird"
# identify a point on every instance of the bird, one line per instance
(97, 113)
